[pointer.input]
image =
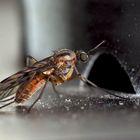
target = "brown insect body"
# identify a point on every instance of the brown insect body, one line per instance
(56, 69)
(27, 90)
(64, 62)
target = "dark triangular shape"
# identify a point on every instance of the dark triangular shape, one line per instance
(107, 73)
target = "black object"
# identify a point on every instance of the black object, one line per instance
(108, 73)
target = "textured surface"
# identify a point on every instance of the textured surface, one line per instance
(77, 116)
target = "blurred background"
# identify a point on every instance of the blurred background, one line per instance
(10, 37)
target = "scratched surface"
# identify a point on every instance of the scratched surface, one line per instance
(77, 115)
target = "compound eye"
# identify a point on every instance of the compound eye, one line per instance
(83, 57)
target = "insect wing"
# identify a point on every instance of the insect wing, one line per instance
(14, 80)
(4, 94)
(25, 74)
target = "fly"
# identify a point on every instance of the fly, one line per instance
(57, 69)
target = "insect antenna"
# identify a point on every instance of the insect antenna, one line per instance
(7, 104)
(96, 47)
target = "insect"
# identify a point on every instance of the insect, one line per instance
(56, 69)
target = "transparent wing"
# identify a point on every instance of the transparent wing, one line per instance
(26, 74)
(8, 93)
(14, 81)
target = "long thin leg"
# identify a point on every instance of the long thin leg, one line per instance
(40, 95)
(30, 61)
(85, 80)
(56, 91)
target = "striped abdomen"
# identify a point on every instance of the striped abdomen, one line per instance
(29, 88)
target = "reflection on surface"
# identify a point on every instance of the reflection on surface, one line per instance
(74, 117)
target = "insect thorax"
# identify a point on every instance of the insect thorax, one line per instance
(61, 75)
(65, 62)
